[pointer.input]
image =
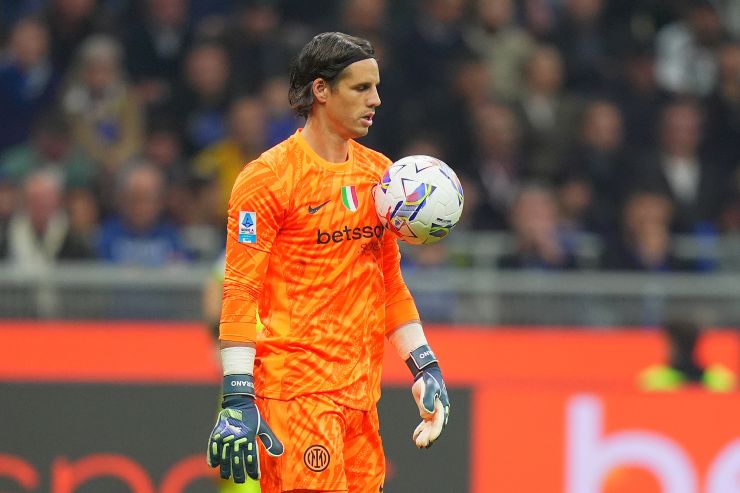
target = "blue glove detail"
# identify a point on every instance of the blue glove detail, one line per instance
(430, 394)
(233, 441)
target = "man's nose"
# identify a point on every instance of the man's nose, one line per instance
(374, 100)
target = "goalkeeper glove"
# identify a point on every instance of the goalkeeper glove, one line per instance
(233, 441)
(430, 394)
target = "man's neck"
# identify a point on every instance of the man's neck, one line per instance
(327, 144)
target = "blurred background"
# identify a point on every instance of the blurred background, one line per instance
(584, 308)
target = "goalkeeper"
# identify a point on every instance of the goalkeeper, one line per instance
(305, 246)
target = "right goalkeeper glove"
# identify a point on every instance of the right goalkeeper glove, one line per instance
(233, 441)
(430, 394)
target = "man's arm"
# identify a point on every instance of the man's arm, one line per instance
(399, 304)
(255, 214)
(406, 335)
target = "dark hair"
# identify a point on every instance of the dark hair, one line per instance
(325, 57)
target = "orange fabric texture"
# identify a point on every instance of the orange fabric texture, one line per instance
(337, 449)
(305, 245)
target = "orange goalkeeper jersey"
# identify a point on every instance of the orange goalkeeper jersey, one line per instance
(306, 247)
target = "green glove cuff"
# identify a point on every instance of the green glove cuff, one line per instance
(238, 384)
(421, 358)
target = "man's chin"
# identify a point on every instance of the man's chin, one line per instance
(360, 132)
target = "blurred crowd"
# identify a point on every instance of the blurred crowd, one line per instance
(123, 123)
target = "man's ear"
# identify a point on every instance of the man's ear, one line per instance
(320, 90)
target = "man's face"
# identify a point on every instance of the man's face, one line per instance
(350, 105)
(142, 200)
(681, 130)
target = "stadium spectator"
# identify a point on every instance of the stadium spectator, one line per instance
(504, 46)
(539, 17)
(499, 165)
(101, 106)
(246, 139)
(695, 181)
(192, 203)
(71, 22)
(546, 112)
(540, 243)
(471, 88)
(155, 45)
(423, 51)
(259, 48)
(28, 80)
(281, 122)
(580, 36)
(84, 222)
(598, 158)
(163, 147)
(686, 61)
(138, 235)
(202, 96)
(683, 367)
(723, 106)
(39, 233)
(50, 147)
(643, 242)
(576, 200)
(366, 18)
(197, 210)
(636, 92)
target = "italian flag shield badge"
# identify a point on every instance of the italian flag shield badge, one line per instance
(349, 197)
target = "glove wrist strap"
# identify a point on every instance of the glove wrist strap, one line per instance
(420, 358)
(238, 385)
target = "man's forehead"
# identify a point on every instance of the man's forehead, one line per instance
(362, 70)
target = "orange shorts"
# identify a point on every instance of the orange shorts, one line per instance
(328, 447)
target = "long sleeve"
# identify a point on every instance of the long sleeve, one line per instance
(256, 212)
(399, 304)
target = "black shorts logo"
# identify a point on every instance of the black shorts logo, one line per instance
(316, 458)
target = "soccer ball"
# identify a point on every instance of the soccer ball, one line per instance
(419, 199)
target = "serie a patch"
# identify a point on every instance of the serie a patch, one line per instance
(247, 227)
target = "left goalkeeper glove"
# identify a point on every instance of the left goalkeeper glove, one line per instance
(430, 394)
(233, 441)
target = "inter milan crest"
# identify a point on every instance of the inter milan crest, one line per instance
(316, 458)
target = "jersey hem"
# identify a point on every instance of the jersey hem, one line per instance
(279, 396)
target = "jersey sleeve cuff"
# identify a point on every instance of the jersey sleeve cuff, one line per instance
(238, 331)
(399, 313)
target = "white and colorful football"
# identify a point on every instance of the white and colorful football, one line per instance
(419, 199)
